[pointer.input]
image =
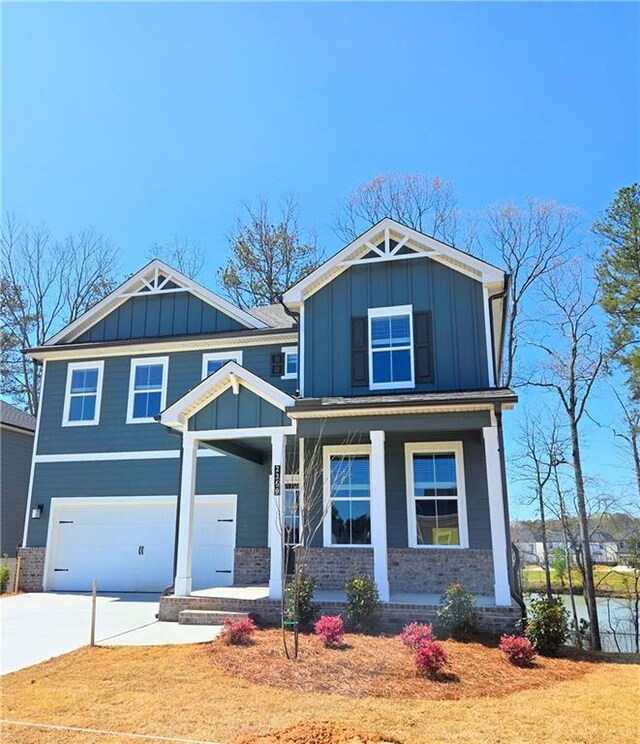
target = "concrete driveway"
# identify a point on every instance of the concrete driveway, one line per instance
(36, 627)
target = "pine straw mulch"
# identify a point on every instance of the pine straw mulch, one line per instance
(380, 666)
(321, 732)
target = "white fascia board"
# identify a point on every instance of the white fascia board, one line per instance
(210, 388)
(396, 411)
(483, 271)
(120, 295)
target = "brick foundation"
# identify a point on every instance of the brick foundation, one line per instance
(31, 568)
(251, 566)
(332, 567)
(491, 620)
(432, 570)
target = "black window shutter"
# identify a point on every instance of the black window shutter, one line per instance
(423, 346)
(359, 352)
(277, 364)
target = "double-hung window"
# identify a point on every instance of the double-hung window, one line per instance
(436, 495)
(147, 389)
(290, 362)
(391, 348)
(347, 495)
(83, 394)
(212, 362)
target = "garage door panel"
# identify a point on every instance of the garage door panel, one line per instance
(128, 546)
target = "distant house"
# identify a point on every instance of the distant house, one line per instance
(604, 547)
(17, 430)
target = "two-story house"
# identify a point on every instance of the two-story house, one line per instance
(176, 428)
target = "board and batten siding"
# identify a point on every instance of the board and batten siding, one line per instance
(245, 410)
(113, 434)
(154, 315)
(15, 465)
(456, 305)
(157, 477)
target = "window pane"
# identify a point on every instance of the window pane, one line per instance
(381, 366)
(146, 405)
(292, 364)
(380, 332)
(213, 365)
(437, 522)
(360, 523)
(340, 522)
(434, 475)
(148, 376)
(350, 477)
(84, 380)
(400, 330)
(401, 366)
(89, 407)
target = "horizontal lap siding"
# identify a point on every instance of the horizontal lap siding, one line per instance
(172, 314)
(113, 434)
(215, 475)
(456, 304)
(15, 465)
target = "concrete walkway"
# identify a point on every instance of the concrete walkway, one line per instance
(36, 627)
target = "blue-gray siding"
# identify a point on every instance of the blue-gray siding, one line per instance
(215, 475)
(241, 411)
(171, 314)
(456, 304)
(113, 434)
(15, 465)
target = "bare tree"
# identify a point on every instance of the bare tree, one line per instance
(425, 203)
(541, 450)
(572, 361)
(531, 240)
(267, 256)
(180, 253)
(45, 284)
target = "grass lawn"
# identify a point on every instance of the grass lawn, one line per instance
(607, 579)
(230, 694)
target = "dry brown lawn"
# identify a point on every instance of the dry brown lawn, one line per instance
(218, 694)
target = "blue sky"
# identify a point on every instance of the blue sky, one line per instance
(151, 120)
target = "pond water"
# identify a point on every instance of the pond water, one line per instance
(616, 621)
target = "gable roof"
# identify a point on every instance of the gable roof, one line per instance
(374, 246)
(154, 278)
(230, 375)
(12, 416)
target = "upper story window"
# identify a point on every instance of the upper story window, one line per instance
(212, 362)
(391, 348)
(147, 389)
(348, 495)
(290, 362)
(83, 394)
(435, 493)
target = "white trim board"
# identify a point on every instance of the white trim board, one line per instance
(115, 456)
(219, 356)
(390, 312)
(71, 368)
(143, 362)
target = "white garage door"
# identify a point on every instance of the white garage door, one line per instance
(127, 544)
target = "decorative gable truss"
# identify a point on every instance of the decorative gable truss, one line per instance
(159, 279)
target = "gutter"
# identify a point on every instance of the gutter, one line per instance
(497, 364)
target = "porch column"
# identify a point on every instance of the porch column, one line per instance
(276, 515)
(379, 514)
(497, 516)
(182, 584)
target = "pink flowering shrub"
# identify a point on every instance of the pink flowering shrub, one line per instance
(520, 651)
(330, 630)
(416, 635)
(430, 658)
(237, 632)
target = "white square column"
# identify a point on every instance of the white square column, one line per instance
(497, 516)
(182, 583)
(276, 515)
(378, 492)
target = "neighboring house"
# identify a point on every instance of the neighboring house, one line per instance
(604, 548)
(17, 430)
(171, 419)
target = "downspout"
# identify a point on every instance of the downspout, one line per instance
(502, 294)
(503, 475)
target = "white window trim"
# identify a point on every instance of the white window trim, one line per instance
(385, 312)
(99, 365)
(216, 356)
(346, 450)
(164, 361)
(428, 448)
(287, 351)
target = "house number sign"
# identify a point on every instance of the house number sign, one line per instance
(276, 480)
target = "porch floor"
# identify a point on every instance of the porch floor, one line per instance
(256, 593)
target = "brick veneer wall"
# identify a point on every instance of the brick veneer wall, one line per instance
(432, 570)
(491, 620)
(31, 568)
(251, 566)
(331, 567)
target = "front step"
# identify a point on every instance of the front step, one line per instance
(208, 617)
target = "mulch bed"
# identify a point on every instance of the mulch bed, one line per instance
(381, 666)
(324, 732)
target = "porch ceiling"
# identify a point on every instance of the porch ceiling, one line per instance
(253, 449)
